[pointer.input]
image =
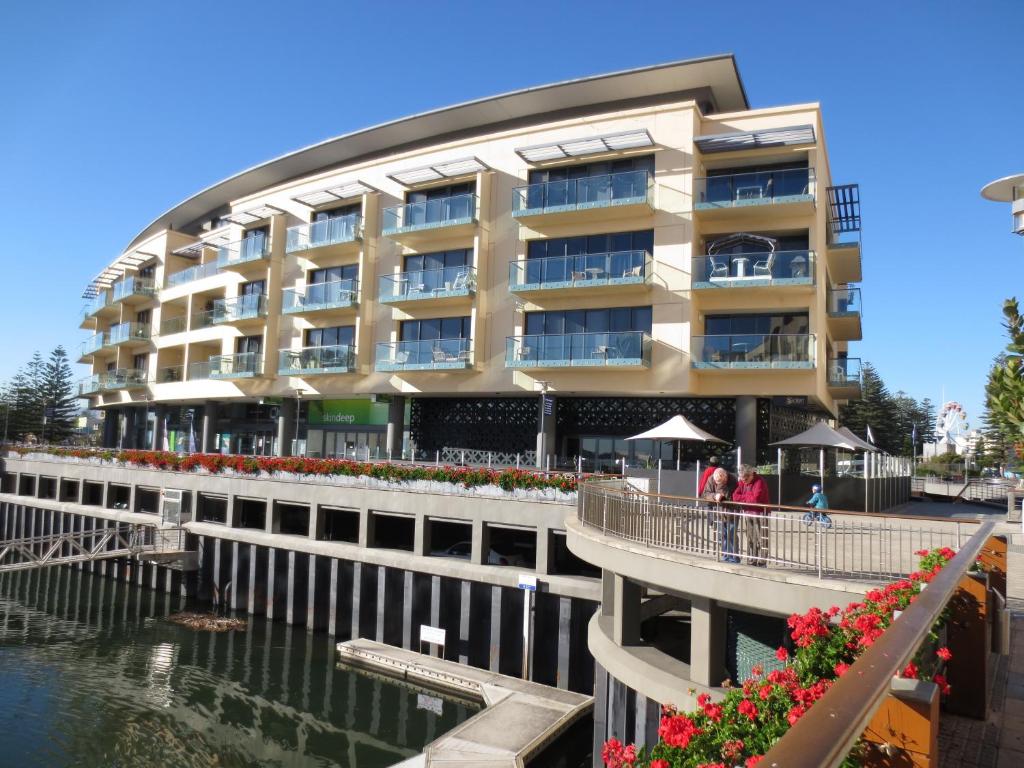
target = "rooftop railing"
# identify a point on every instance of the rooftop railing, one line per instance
(316, 234)
(430, 214)
(844, 301)
(737, 190)
(123, 332)
(239, 308)
(251, 248)
(191, 274)
(581, 271)
(428, 284)
(134, 286)
(336, 294)
(622, 349)
(739, 270)
(753, 350)
(339, 358)
(426, 355)
(607, 190)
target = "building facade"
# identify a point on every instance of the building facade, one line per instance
(540, 273)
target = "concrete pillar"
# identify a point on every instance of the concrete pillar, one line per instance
(480, 544)
(357, 587)
(543, 550)
(396, 425)
(746, 428)
(564, 639)
(421, 536)
(366, 523)
(626, 622)
(123, 427)
(286, 424)
(209, 435)
(407, 629)
(607, 593)
(111, 417)
(495, 649)
(546, 431)
(707, 641)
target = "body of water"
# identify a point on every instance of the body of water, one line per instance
(92, 674)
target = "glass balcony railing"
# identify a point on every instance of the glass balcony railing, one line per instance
(170, 374)
(337, 294)
(312, 360)
(201, 319)
(95, 343)
(844, 302)
(737, 190)
(427, 355)
(134, 286)
(124, 332)
(753, 350)
(608, 190)
(191, 274)
(612, 349)
(581, 271)
(239, 308)
(844, 372)
(199, 370)
(172, 325)
(95, 304)
(428, 284)
(123, 378)
(243, 365)
(90, 385)
(738, 270)
(430, 214)
(252, 248)
(340, 229)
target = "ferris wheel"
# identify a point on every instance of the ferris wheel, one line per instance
(951, 424)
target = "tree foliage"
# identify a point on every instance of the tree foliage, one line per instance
(892, 418)
(39, 400)
(1004, 392)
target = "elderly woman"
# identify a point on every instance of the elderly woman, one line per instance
(719, 488)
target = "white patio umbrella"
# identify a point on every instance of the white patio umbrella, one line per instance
(678, 429)
(820, 436)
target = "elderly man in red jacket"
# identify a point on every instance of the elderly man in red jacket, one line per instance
(753, 490)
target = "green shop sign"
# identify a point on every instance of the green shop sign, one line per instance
(329, 413)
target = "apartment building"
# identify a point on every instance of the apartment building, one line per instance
(541, 273)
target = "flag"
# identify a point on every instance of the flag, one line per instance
(871, 437)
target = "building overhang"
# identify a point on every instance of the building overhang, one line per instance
(769, 137)
(1001, 190)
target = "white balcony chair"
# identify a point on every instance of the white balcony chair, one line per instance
(763, 268)
(719, 268)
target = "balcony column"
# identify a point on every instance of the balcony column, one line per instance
(707, 641)
(545, 430)
(626, 602)
(209, 426)
(396, 425)
(746, 428)
(285, 427)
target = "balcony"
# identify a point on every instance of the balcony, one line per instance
(440, 218)
(621, 349)
(248, 250)
(133, 290)
(173, 325)
(170, 374)
(243, 365)
(844, 379)
(844, 314)
(123, 378)
(338, 231)
(321, 297)
(96, 306)
(753, 270)
(788, 192)
(753, 351)
(94, 344)
(427, 355)
(612, 271)
(310, 361)
(239, 309)
(129, 334)
(629, 193)
(445, 283)
(844, 261)
(191, 274)
(90, 385)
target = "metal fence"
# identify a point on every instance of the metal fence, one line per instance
(847, 546)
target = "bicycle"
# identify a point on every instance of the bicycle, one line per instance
(814, 516)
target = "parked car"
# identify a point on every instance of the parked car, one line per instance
(462, 551)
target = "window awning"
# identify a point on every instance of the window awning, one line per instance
(332, 194)
(844, 208)
(592, 145)
(448, 169)
(116, 269)
(252, 215)
(768, 137)
(195, 250)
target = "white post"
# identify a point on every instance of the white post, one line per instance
(517, 461)
(547, 461)
(780, 475)
(739, 458)
(659, 474)
(697, 482)
(437, 458)
(488, 459)
(462, 459)
(821, 468)
(527, 607)
(679, 452)
(579, 465)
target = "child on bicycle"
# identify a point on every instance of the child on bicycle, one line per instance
(818, 502)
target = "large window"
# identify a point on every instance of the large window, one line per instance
(600, 168)
(440, 204)
(726, 325)
(435, 328)
(616, 320)
(249, 344)
(331, 337)
(337, 213)
(420, 262)
(755, 339)
(561, 259)
(440, 339)
(333, 274)
(571, 336)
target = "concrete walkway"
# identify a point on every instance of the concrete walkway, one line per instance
(519, 718)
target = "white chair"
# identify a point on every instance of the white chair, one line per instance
(763, 268)
(719, 268)
(634, 271)
(461, 282)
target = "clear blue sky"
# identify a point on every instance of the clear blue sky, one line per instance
(113, 112)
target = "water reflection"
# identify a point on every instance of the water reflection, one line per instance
(92, 675)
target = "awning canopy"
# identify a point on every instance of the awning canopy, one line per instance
(332, 194)
(821, 435)
(677, 428)
(589, 145)
(117, 268)
(768, 243)
(864, 444)
(447, 169)
(844, 208)
(195, 250)
(767, 137)
(252, 215)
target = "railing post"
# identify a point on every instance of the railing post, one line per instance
(818, 547)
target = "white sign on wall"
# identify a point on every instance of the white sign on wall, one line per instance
(430, 634)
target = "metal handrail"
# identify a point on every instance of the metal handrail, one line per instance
(826, 734)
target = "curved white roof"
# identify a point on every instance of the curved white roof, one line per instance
(1001, 190)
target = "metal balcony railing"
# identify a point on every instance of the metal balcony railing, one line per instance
(172, 325)
(622, 349)
(581, 271)
(252, 248)
(96, 303)
(426, 355)
(604, 191)
(191, 274)
(90, 385)
(844, 372)
(428, 284)
(315, 234)
(844, 301)
(134, 286)
(238, 366)
(429, 214)
(339, 358)
(123, 332)
(737, 190)
(123, 378)
(239, 308)
(753, 350)
(170, 374)
(95, 343)
(336, 294)
(738, 270)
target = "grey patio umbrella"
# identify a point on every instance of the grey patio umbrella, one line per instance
(820, 436)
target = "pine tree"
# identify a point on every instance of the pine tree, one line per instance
(58, 397)
(875, 409)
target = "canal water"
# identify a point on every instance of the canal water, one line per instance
(92, 674)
